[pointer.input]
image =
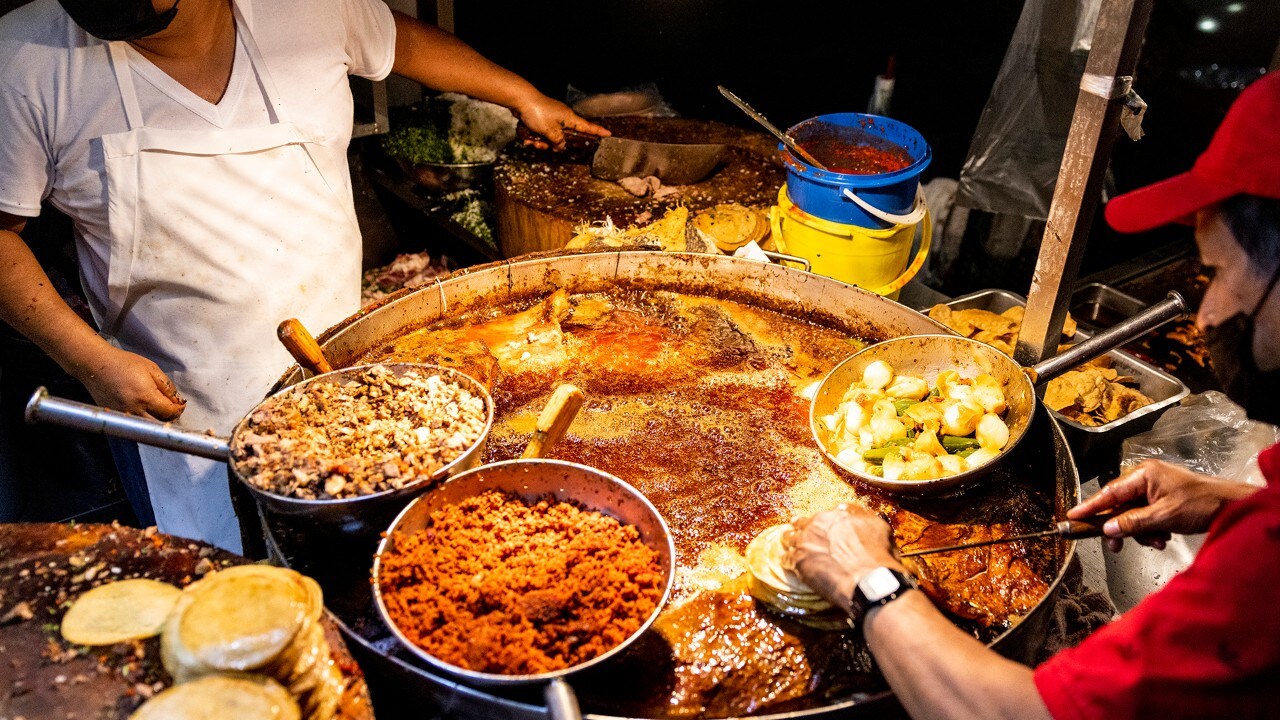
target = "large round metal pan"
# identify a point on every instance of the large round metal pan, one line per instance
(356, 515)
(925, 356)
(533, 480)
(1042, 458)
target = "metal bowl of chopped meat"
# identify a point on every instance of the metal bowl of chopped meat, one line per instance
(350, 448)
(345, 450)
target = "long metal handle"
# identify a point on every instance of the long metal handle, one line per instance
(562, 704)
(80, 416)
(764, 122)
(1068, 529)
(1171, 308)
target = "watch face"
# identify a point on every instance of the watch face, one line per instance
(879, 584)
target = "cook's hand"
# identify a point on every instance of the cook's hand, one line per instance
(549, 117)
(130, 383)
(1172, 499)
(832, 550)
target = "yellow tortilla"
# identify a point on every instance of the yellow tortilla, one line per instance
(214, 697)
(119, 611)
(242, 620)
(731, 225)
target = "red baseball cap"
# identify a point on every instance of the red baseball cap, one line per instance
(1242, 158)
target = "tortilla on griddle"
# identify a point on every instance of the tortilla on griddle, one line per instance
(213, 697)
(119, 611)
(242, 621)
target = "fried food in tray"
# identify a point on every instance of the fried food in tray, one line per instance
(1093, 394)
(999, 330)
(898, 427)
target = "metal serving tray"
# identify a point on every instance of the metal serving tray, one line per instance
(1097, 307)
(1097, 448)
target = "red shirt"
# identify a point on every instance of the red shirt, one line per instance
(1205, 645)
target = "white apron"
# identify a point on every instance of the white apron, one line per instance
(217, 236)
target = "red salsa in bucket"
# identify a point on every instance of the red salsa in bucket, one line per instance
(851, 150)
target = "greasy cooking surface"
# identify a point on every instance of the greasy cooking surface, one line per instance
(696, 401)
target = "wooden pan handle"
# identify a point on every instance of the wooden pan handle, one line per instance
(302, 345)
(555, 419)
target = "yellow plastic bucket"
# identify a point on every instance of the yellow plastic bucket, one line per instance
(873, 259)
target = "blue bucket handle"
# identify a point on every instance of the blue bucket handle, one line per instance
(916, 214)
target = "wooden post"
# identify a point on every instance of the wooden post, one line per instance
(1117, 38)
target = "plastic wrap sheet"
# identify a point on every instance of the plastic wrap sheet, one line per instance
(1017, 148)
(1209, 434)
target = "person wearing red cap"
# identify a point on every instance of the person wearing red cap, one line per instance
(1208, 643)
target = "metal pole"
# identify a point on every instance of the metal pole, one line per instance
(1117, 38)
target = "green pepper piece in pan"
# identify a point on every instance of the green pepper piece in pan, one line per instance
(956, 443)
(902, 405)
(876, 456)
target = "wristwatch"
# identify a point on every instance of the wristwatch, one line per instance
(879, 587)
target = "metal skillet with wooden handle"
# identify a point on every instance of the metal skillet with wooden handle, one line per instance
(615, 158)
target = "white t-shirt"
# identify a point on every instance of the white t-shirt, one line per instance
(58, 97)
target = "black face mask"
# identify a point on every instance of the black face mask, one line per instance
(1231, 351)
(118, 19)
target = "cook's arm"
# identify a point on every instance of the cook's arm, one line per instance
(940, 671)
(439, 60)
(936, 670)
(115, 378)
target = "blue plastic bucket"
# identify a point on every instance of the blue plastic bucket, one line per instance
(821, 193)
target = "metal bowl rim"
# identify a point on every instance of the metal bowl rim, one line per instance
(497, 679)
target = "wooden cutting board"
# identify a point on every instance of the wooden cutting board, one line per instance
(540, 197)
(43, 566)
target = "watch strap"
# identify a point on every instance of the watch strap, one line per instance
(861, 604)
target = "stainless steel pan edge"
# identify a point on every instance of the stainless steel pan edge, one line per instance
(816, 297)
(804, 294)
